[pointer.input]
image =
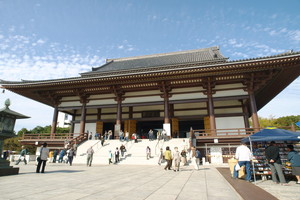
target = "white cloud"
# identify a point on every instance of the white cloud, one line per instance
(295, 35)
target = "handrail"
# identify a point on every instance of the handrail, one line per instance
(229, 132)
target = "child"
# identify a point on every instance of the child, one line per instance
(109, 157)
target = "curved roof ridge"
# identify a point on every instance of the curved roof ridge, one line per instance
(163, 54)
(287, 53)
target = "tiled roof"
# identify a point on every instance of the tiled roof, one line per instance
(211, 54)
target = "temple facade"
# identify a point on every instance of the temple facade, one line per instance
(179, 91)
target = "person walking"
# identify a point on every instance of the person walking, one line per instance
(193, 158)
(294, 159)
(71, 155)
(23, 154)
(61, 156)
(176, 159)
(90, 153)
(183, 157)
(273, 158)
(243, 155)
(168, 158)
(44, 152)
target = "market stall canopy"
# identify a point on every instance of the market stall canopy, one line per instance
(274, 134)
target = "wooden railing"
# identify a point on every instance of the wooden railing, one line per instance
(67, 138)
(48, 136)
(230, 132)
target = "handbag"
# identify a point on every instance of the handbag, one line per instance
(237, 167)
(38, 158)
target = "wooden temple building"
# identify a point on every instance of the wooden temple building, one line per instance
(196, 89)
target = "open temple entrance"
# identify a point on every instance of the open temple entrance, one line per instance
(143, 128)
(185, 126)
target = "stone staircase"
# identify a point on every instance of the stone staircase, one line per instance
(136, 152)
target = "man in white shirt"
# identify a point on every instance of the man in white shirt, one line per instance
(244, 156)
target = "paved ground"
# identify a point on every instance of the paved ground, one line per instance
(123, 182)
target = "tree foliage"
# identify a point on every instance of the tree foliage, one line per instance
(280, 122)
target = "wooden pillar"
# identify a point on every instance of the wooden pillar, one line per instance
(246, 114)
(253, 110)
(211, 112)
(166, 108)
(73, 124)
(119, 111)
(83, 117)
(99, 114)
(130, 116)
(54, 121)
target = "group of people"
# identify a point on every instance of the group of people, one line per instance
(173, 159)
(272, 153)
(159, 135)
(116, 155)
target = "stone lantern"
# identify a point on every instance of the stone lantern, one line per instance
(7, 124)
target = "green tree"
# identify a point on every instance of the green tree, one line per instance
(288, 121)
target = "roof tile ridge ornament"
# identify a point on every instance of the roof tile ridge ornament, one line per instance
(96, 68)
(214, 48)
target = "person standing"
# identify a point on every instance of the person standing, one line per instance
(102, 140)
(90, 153)
(243, 155)
(126, 136)
(176, 159)
(123, 150)
(150, 134)
(164, 135)
(71, 155)
(110, 156)
(161, 156)
(148, 152)
(117, 155)
(23, 154)
(273, 158)
(168, 158)
(55, 154)
(294, 159)
(44, 152)
(193, 158)
(198, 156)
(121, 135)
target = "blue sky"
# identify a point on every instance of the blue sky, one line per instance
(62, 38)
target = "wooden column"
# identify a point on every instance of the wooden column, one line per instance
(83, 117)
(99, 114)
(54, 121)
(253, 107)
(73, 124)
(130, 115)
(166, 108)
(119, 111)
(246, 114)
(210, 105)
